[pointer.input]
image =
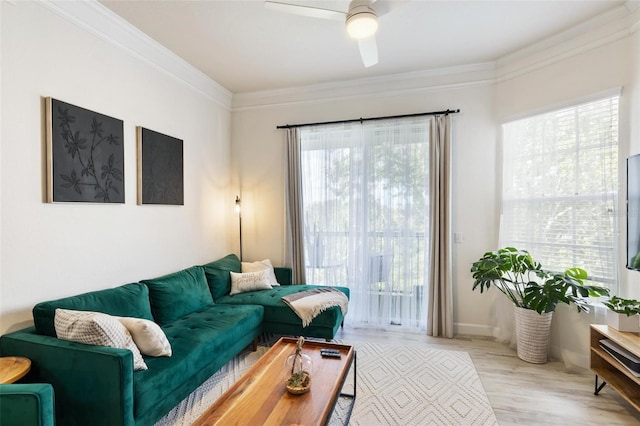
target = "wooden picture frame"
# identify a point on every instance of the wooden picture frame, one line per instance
(160, 168)
(85, 155)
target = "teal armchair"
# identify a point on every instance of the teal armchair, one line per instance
(26, 405)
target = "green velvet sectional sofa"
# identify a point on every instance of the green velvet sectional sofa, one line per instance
(206, 327)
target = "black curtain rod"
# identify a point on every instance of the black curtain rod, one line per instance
(446, 112)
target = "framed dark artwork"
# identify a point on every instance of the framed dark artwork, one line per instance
(160, 168)
(85, 155)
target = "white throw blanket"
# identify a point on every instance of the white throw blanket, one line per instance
(309, 304)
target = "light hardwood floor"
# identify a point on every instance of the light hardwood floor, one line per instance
(520, 393)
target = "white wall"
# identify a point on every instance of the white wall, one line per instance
(55, 250)
(259, 155)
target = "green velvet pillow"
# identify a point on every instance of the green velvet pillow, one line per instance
(130, 300)
(218, 274)
(176, 295)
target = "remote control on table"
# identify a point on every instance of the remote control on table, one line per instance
(330, 353)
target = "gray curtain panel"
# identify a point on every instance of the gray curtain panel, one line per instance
(440, 303)
(295, 225)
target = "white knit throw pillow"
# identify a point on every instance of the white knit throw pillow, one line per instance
(250, 281)
(262, 265)
(95, 328)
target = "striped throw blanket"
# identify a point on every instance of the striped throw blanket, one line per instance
(309, 304)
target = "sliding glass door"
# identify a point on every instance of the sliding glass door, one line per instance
(365, 204)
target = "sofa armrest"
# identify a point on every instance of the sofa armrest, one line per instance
(26, 405)
(283, 275)
(93, 384)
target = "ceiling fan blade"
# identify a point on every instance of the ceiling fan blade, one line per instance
(368, 51)
(313, 12)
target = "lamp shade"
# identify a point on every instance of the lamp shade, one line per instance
(362, 22)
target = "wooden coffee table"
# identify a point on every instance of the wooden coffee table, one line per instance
(260, 397)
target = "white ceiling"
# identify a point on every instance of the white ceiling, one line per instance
(246, 47)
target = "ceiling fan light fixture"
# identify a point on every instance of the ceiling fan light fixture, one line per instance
(362, 22)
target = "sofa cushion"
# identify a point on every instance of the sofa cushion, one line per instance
(275, 310)
(259, 266)
(284, 275)
(147, 335)
(218, 276)
(130, 300)
(202, 343)
(98, 329)
(178, 294)
(249, 281)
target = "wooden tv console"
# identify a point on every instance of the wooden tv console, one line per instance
(608, 369)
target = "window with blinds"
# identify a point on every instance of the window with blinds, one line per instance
(560, 184)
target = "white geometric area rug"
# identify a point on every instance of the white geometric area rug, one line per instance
(415, 385)
(397, 385)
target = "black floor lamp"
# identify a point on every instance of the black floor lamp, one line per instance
(238, 210)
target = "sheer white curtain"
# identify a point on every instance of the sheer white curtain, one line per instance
(366, 216)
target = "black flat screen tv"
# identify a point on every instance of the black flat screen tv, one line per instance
(633, 212)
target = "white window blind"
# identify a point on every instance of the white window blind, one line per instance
(560, 182)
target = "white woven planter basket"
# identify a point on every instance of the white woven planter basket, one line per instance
(532, 335)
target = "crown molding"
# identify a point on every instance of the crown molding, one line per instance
(369, 95)
(634, 7)
(599, 31)
(603, 29)
(100, 21)
(567, 35)
(382, 86)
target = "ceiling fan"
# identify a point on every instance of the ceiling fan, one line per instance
(361, 21)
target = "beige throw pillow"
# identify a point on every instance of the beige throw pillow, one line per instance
(249, 281)
(262, 265)
(147, 335)
(95, 328)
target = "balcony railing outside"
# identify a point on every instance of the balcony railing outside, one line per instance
(390, 277)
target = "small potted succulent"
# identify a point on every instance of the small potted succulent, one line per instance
(623, 314)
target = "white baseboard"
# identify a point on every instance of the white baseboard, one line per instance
(474, 329)
(570, 358)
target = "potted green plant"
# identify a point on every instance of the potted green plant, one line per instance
(623, 314)
(534, 293)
